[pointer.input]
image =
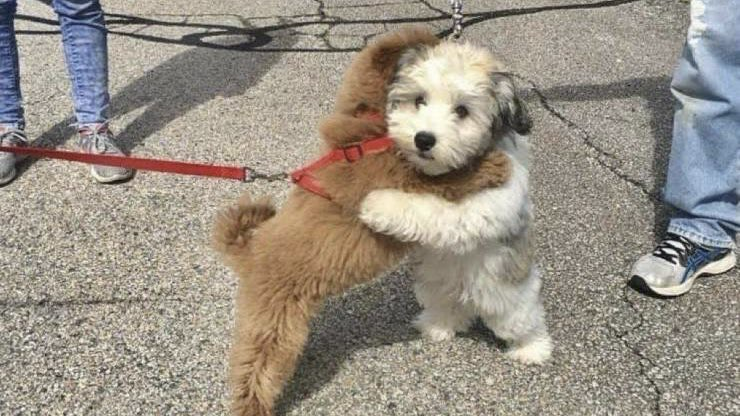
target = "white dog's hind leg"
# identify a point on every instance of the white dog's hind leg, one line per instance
(442, 316)
(440, 323)
(533, 351)
(519, 319)
(525, 333)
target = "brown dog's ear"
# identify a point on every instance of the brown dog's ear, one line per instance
(389, 50)
(510, 110)
(365, 82)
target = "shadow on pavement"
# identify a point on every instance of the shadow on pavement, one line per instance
(387, 310)
(656, 93)
(324, 17)
(386, 318)
(175, 87)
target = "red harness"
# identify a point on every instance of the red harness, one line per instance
(304, 178)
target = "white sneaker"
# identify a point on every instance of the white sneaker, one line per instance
(97, 139)
(10, 137)
(670, 270)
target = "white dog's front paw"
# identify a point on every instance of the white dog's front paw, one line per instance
(378, 207)
(536, 351)
(380, 201)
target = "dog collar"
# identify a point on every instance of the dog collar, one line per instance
(304, 177)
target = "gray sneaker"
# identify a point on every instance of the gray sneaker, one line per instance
(670, 270)
(10, 137)
(99, 140)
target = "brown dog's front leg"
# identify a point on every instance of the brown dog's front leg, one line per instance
(271, 331)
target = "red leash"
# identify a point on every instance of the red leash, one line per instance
(138, 163)
(302, 177)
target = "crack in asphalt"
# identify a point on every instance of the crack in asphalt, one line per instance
(604, 158)
(263, 35)
(646, 363)
(321, 8)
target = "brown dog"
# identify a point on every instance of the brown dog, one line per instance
(289, 262)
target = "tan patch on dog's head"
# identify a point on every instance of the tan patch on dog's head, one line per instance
(365, 83)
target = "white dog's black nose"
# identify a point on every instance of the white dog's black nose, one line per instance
(424, 140)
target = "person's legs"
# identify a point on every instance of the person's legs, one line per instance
(84, 37)
(703, 181)
(86, 53)
(11, 111)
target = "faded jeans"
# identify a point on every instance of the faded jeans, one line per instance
(84, 38)
(703, 181)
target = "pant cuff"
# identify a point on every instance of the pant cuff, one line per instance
(16, 126)
(701, 239)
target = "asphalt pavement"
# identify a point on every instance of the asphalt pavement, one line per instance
(112, 303)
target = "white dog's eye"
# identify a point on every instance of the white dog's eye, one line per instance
(461, 111)
(420, 101)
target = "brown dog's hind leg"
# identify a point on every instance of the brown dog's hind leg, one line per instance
(270, 333)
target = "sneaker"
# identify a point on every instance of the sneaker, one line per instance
(10, 137)
(670, 270)
(99, 140)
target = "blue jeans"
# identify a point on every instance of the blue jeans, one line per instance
(703, 181)
(86, 53)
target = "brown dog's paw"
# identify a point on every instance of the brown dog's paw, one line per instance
(494, 170)
(491, 171)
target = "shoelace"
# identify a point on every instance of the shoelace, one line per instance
(674, 249)
(12, 137)
(96, 138)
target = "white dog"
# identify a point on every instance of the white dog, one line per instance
(448, 105)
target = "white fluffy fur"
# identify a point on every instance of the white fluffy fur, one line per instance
(444, 77)
(474, 255)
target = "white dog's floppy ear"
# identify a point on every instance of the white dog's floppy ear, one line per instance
(510, 110)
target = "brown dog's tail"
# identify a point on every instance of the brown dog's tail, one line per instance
(235, 225)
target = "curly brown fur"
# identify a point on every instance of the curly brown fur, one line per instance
(235, 225)
(289, 262)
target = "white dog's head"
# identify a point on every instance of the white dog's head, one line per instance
(448, 103)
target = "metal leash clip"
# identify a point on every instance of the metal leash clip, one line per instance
(251, 175)
(457, 18)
